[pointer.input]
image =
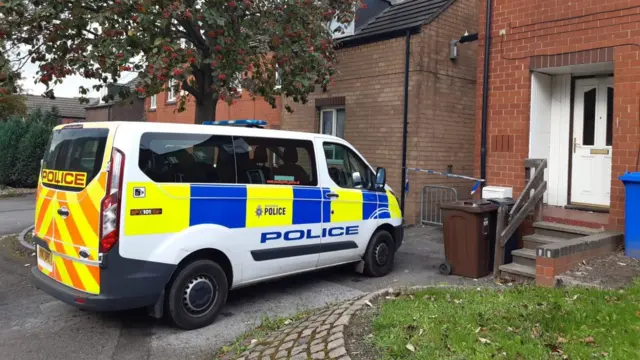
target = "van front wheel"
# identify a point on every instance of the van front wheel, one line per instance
(196, 295)
(378, 259)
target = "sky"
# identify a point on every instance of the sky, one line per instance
(68, 88)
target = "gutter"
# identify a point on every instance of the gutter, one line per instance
(485, 93)
(405, 122)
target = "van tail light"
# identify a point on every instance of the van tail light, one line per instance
(110, 205)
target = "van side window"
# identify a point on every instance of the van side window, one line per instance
(275, 161)
(347, 169)
(187, 158)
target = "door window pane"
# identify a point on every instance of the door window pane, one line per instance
(275, 161)
(609, 116)
(187, 158)
(589, 118)
(343, 168)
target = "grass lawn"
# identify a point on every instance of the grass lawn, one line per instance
(522, 322)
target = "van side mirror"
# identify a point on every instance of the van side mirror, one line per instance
(381, 178)
(357, 180)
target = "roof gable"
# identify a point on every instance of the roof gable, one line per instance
(397, 19)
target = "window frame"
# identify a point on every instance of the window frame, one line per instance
(153, 102)
(171, 91)
(334, 121)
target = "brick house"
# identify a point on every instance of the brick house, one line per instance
(130, 109)
(70, 109)
(563, 85)
(366, 103)
(163, 108)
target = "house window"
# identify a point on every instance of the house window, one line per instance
(171, 91)
(278, 78)
(153, 102)
(332, 122)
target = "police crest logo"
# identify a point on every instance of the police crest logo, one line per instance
(259, 211)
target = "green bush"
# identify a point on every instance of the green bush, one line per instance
(22, 146)
(10, 137)
(30, 151)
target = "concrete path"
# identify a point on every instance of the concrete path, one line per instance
(35, 326)
(16, 213)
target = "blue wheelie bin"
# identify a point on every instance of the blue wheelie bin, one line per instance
(632, 214)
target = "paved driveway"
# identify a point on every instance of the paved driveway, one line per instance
(16, 213)
(35, 326)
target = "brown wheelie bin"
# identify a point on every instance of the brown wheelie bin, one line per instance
(467, 232)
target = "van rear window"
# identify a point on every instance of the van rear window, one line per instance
(73, 158)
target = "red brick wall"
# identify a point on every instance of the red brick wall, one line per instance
(556, 27)
(242, 108)
(441, 103)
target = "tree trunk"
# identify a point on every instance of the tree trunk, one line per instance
(206, 110)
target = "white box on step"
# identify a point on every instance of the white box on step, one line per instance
(490, 192)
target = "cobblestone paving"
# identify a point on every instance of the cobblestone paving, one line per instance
(318, 337)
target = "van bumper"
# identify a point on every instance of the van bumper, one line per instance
(398, 235)
(87, 301)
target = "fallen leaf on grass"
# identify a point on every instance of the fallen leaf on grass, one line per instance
(589, 340)
(535, 332)
(484, 341)
(429, 297)
(561, 340)
(638, 313)
(604, 354)
(411, 347)
(481, 329)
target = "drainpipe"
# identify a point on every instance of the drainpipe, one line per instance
(485, 93)
(405, 123)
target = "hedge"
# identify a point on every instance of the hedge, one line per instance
(22, 146)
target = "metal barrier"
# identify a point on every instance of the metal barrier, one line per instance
(430, 200)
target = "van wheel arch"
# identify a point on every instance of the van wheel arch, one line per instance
(206, 254)
(390, 229)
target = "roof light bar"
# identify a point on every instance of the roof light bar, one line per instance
(251, 123)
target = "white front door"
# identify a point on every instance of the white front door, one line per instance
(591, 144)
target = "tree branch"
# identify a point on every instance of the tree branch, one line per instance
(195, 37)
(191, 90)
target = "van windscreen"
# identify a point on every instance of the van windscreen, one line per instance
(73, 158)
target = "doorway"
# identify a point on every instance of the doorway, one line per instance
(591, 143)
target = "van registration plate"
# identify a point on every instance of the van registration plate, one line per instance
(44, 256)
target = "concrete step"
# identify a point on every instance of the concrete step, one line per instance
(562, 231)
(517, 272)
(535, 240)
(525, 257)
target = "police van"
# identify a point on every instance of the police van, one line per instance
(171, 216)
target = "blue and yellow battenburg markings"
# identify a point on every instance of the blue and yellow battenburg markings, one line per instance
(250, 206)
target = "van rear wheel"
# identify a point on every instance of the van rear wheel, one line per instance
(378, 259)
(196, 295)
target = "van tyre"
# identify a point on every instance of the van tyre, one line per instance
(196, 295)
(378, 259)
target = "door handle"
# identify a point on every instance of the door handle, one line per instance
(333, 195)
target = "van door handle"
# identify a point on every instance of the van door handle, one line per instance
(332, 195)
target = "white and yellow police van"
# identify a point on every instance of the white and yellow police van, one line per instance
(172, 216)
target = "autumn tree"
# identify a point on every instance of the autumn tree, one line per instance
(11, 102)
(207, 48)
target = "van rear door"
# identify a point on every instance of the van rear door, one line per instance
(72, 185)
